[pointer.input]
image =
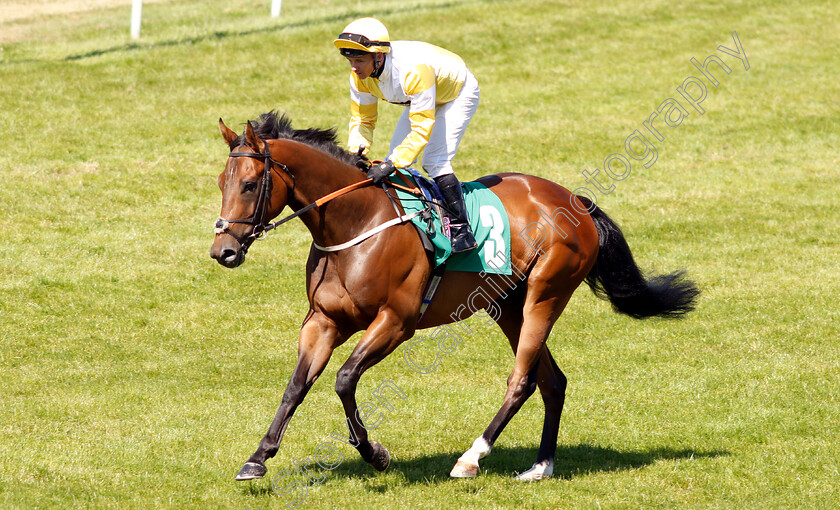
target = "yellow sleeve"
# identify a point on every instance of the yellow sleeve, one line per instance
(419, 85)
(363, 116)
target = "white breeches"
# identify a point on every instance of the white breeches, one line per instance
(451, 121)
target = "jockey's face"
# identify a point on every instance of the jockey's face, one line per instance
(362, 66)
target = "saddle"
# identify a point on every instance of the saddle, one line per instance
(488, 220)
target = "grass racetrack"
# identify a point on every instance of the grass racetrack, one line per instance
(138, 373)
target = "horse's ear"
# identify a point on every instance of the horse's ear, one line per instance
(227, 134)
(251, 137)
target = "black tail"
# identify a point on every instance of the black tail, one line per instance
(616, 277)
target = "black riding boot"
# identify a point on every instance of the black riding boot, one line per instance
(456, 210)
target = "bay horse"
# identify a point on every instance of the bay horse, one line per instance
(376, 285)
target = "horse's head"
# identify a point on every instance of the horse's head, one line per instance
(253, 192)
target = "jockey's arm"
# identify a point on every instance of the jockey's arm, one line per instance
(363, 116)
(422, 91)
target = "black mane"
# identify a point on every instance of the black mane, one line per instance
(273, 126)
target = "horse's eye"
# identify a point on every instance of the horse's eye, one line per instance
(249, 187)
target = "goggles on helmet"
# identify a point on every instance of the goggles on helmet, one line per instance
(364, 41)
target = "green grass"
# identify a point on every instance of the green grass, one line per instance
(138, 373)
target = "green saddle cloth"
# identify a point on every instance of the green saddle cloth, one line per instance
(489, 222)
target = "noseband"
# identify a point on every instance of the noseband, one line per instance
(222, 225)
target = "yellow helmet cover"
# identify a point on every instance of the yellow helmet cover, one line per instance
(366, 35)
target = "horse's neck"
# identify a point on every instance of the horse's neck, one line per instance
(318, 174)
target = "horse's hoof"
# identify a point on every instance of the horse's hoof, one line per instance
(464, 470)
(381, 457)
(251, 471)
(538, 471)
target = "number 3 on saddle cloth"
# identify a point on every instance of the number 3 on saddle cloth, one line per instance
(488, 220)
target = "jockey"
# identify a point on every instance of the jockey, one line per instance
(441, 95)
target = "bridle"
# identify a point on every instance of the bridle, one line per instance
(222, 225)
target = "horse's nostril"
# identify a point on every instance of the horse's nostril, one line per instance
(228, 255)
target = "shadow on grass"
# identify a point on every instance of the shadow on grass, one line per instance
(256, 489)
(432, 470)
(570, 462)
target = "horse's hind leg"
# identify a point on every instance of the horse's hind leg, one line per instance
(527, 326)
(551, 382)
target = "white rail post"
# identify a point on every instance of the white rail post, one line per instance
(275, 8)
(136, 18)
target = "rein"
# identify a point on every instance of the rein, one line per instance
(222, 225)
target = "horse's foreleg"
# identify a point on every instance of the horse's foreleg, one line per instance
(383, 336)
(318, 338)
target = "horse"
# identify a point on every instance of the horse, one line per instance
(376, 284)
